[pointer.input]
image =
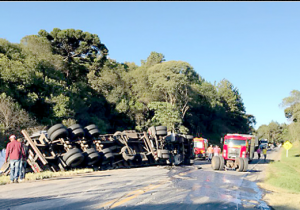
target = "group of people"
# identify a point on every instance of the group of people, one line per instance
(213, 151)
(16, 151)
(263, 151)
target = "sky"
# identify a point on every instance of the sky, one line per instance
(254, 45)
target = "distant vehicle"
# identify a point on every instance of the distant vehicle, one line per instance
(263, 143)
(238, 151)
(200, 147)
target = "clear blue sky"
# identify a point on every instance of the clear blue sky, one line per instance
(255, 45)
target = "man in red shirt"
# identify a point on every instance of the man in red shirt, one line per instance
(15, 152)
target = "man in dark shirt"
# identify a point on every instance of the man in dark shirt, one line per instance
(23, 164)
(15, 152)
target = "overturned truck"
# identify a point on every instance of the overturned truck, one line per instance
(63, 148)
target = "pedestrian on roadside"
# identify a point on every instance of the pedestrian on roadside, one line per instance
(23, 163)
(14, 152)
(258, 152)
(265, 153)
(210, 151)
(219, 151)
(216, 151)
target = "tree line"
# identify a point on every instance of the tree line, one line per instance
(276, 132)
(66, 76)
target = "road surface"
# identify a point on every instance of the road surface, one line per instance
(186, 187)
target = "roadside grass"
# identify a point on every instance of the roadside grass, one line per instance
(46, 175)
(285, 174)
(283, 181)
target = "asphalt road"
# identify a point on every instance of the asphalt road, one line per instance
(186, 187)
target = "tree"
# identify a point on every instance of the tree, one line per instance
(79, 49)
(165, 114)
(12, 117)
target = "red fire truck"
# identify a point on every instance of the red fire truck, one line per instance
(200, 147)
(238, 151)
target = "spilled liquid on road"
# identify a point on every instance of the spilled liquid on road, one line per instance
(215, 190)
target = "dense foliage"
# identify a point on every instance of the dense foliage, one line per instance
(65, 75)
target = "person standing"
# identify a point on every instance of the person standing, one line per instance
(216, 151)
(210, 151)
(23, 162)
(219, 151)
(265, 153)
(258, 152)
(14, 152)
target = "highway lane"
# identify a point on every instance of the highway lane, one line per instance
(160, 187)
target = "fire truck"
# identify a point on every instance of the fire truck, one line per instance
(238, 151)
(200, 147)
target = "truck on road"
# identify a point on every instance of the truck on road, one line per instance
(200, 147)
(238, 151)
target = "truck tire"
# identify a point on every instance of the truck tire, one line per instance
(91, 127)
(75, 160)
(106, 150)
(79, 132)
(240, 164)
(215, 163)
(70, 153)
(93, 158)
(91, 150)
(245, 169)
(54, 128)
(222, 162)
(74, 127)
(108, 155)
(94, 132)
(60, 133)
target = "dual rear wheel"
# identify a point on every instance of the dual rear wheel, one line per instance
(217, 163)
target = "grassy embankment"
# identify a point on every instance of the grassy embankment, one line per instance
(46, 175)
(283, 180)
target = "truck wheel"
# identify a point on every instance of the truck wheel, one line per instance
(94, 132)
(215, 163)
(240, 164)
(70, 153)
(74, 127)
(91, 127)
(222, 162)
(108, 155)
(93, 158)
(245, 164)
(78, 132)
(91, 150)
(60, 133)
(54, 128)
(106, 150)
(75, 160)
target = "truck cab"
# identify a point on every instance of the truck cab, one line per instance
(238, 151)
(200, 147)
